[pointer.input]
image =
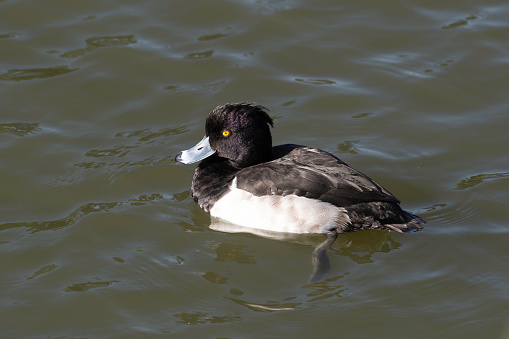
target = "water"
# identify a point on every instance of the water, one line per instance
(99, 237)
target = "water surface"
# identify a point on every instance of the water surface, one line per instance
(99, 237)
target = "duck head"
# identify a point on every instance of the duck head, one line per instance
(237, 132)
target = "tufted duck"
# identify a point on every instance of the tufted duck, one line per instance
(246, 181)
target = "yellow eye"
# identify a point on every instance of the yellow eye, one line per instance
(226, 133)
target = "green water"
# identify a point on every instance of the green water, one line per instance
(99, 237)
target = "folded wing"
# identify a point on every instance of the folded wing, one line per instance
(312, 173)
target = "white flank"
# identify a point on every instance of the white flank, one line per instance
(291, 213)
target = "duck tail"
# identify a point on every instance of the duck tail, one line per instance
(413, 224)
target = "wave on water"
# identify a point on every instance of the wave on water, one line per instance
(477, 179)
(20, 129)
(88, 208)
(35, 73)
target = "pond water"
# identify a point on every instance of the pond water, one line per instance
(99, 237)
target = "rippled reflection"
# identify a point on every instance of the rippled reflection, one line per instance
(86, 209)
(43, 270)
(460, 23)
(212, 37)
(35, 73)
(147, 135)
(20, 129)
(478, 179)
(83, 287)
(95, 43)
(214, 278)
(8, 35)
(198, 318)
(199, 55)
(267, 307)
(234, 252)
(358, 246)
(325, 289)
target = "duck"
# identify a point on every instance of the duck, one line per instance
(244, 180)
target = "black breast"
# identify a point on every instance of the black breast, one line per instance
(212, 179)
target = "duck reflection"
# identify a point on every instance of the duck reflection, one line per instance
(358, 246)
(235, 252)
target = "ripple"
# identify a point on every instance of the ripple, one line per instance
(288, 103)
(213, 87)
(212, 37)
(362, 115)
(438, 66)
(83, 287)
(326, 289)
(141, 138)
(151, 161)
(340, 84)
(453, 216)
(401, 64)
(35, 73)
(147, 135)
(71, 219)
(268, 307)
(44, 270)
(90, 17)
(214, 278)
(460, 23)
(20, 129)
(360, 247)
(119, 151)
(316, 81)
(475, 180)
(95, 43)
(199, 55)
(86, 209)
(233, 252)
(348, 147)
(119, 260)
(198, 318)
(8, 35)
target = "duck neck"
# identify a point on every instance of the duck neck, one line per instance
(256, 153)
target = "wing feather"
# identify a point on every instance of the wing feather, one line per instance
(312, 173)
